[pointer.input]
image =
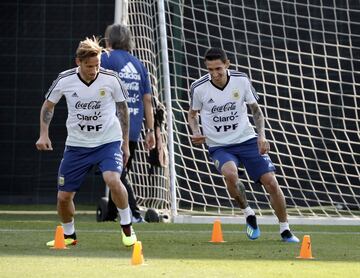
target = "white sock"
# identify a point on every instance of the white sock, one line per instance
(284, 226)
(125, 216)
(69, 228)
(248, 211)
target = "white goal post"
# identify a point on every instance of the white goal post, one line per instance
(303, 59)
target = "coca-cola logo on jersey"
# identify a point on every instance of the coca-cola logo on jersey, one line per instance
(88, 105)
(223, 108)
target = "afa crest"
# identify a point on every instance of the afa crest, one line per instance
(236, 95)
(61, 180)
(102, 92)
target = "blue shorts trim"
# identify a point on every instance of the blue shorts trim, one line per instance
(247, 154)
(78, 161)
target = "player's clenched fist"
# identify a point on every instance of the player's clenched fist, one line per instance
(44, 144)
(198, 139)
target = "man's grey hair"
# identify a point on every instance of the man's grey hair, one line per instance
(119, 36)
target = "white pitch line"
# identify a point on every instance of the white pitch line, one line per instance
(175, 232)
(42, 212)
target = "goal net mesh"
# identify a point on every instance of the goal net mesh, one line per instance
(303, 59)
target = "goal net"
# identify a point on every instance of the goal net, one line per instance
(302, 58)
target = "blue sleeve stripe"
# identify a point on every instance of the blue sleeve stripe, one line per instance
(196, 84)
(56, 81)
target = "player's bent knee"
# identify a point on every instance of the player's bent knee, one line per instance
(230, 173)
(112, 179)
(273, 187)
(65, 197)
(270, 182)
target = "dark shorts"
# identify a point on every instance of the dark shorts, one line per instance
(247, 154)
(78, 161)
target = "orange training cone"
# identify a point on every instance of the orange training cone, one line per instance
(305, 252)
(217, 233)
(137, 256)
(59, 238)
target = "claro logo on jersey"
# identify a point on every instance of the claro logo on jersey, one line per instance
(227, 118)
(95, 117)
(129, 72)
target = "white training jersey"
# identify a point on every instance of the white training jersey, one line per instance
(92, 119)
(223, 112)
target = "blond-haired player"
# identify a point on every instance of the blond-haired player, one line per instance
(97, 134)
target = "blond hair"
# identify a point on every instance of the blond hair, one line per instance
(88, 48)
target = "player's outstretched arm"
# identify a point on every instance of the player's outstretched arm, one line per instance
(46, 115)
(193, 118)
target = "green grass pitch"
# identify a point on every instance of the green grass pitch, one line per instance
(172, 250)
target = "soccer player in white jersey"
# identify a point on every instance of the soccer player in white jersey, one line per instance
(98, 134)
(221, 97)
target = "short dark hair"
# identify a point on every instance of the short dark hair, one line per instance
(215, 53)
(119, 36)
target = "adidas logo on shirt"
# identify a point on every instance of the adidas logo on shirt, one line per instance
(211, 101)
(129, 72)
(74, 95)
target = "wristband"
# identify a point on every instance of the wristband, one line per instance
(148, 130)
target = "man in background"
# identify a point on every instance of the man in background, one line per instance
(135, 76)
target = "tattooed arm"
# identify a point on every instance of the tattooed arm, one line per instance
(46, 114)
(123, 116)
(193, 119)
(263, 144)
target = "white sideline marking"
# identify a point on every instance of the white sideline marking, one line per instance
(191, 219)
(174, 232)
(269, 220)
(36, 212)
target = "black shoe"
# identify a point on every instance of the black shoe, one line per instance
(287, 236)
(73, 236)
(251, 220)
(252, 229)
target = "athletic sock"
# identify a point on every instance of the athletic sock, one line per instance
(69, 228)
(125, 216)
(284, 226)
(248, 211)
